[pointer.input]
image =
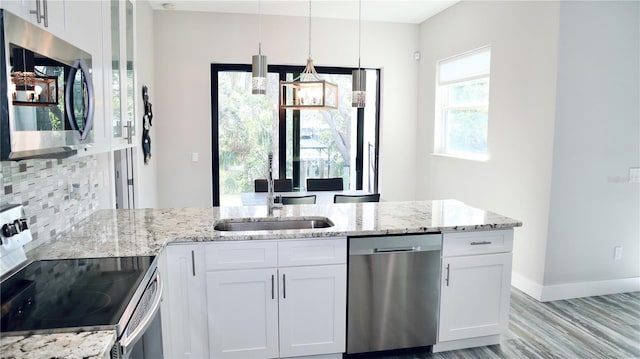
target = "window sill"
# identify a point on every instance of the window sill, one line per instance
(463, 157)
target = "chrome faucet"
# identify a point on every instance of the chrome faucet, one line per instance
(270, 202)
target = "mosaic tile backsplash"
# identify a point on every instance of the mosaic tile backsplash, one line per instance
(55, 193)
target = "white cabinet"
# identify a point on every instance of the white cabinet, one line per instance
(270, 299)
(183, 310)
(474, 288)
(242, 298)
(312, 310)
(121, 80)
(48, 14)
(243, 313)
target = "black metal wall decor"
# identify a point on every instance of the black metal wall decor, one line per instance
(147, 118)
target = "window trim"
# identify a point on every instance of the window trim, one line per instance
(442, 91)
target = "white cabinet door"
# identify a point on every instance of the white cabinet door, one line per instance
(474, 296)
(184, 311)
(52, 10)
(243, 313)
(122, 84)
(312, 310)
(84, 20)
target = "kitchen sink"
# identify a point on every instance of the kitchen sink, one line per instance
(272, 223)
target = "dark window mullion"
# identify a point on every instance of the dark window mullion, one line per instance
(296, 149)
(359, 147)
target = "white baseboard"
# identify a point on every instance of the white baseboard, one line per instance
(466, 343)
(574, 290)
(526, 285)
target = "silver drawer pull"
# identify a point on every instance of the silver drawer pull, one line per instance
(480, 243)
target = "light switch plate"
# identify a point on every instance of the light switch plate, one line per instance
(195, 157)
(634, 174)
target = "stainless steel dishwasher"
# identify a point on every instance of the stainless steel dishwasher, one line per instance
(394, 285)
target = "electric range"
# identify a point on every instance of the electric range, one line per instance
(68, 295)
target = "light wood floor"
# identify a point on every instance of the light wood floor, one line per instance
(594, 327)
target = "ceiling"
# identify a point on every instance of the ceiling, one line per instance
(400, 11)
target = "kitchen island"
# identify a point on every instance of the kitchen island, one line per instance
(111, 233)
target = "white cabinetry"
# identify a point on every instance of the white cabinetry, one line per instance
(48, 14)
(475, 288)
(121, 81)
(270, 299)
(183, 310)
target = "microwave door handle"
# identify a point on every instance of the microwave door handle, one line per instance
(127, 343)
(82, 133)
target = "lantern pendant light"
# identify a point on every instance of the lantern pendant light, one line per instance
(259, 64)
(308, 91)
(359, 76)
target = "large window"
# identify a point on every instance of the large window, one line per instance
(462, 105)
(306, 144)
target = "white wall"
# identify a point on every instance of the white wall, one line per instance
(146, 179)
(597, 140)
(516, 180)
(564, 129)
(185, 45)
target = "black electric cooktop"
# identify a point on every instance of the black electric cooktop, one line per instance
(64, 295)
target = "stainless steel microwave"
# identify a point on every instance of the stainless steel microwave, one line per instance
(46, 93)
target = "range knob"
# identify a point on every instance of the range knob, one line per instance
(11, 229)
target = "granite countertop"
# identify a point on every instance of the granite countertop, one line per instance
(111, 233)
(86, 345)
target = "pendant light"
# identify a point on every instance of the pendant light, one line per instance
(259, 64)
(359, 76)
(308, 91)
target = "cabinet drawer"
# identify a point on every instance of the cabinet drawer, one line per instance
(482, 242)
(311, 252)
(241, 255)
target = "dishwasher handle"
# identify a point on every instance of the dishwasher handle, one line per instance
(397, 249)
(399, 244)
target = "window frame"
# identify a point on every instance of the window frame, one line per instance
(282, 71)
(442, 89)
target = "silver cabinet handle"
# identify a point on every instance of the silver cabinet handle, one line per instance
(45, 13)
(284, 287)
(37, 12)
(446, 279)
(193, 263)
(480, 243)
(129, 127)
(273, 294)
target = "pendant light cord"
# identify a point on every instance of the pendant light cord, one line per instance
(309, 29)
(259, 28)
(359, 30)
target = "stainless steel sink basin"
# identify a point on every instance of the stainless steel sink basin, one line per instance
(272, 223)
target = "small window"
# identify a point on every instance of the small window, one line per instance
(462, 105)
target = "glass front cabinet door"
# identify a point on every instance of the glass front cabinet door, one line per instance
(121, 80)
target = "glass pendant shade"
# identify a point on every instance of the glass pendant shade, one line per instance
(259, 75)
(359, 88)
(308, 92)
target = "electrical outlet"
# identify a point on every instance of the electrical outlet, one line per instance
(195, 157)
(617, 253)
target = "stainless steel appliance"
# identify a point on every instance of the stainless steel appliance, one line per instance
(393, 292)
(69, 295)
(46, 93)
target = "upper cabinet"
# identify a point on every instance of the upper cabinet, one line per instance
(48, 14)
(81, 24)
(121, 82)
